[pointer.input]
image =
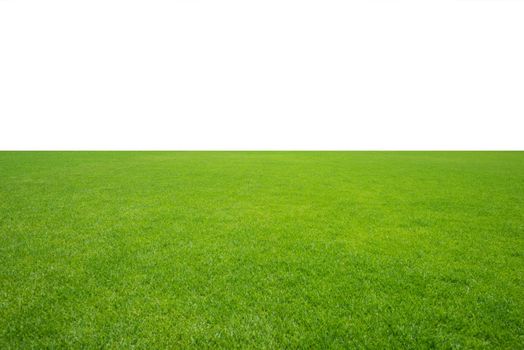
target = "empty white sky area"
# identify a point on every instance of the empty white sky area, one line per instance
(261, 75)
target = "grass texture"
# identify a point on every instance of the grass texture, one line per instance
(379, 250)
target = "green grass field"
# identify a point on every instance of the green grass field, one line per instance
(262, 250)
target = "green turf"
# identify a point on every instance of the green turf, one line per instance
(262, 249)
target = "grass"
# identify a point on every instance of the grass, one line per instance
(272, 250)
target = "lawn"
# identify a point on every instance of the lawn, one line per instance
(262, 250)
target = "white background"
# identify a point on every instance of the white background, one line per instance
(261, 74)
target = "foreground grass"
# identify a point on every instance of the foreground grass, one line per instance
(262, 249)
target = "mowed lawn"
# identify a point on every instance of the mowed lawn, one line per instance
(262, 250)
